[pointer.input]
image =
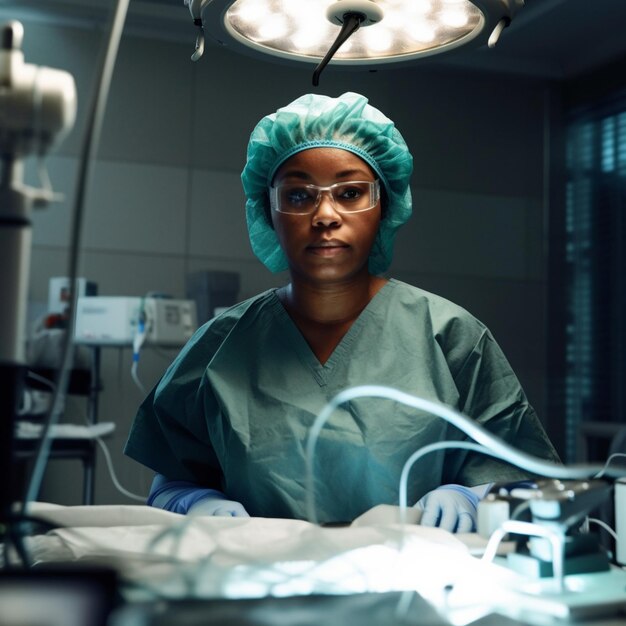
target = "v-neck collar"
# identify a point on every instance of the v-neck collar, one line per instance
(322, 372)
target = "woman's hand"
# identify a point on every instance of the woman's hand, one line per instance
(451, 507)
(187, 498)
(217, 505)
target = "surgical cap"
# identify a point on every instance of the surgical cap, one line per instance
(316, 121)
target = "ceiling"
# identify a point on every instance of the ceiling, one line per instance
(548, 38)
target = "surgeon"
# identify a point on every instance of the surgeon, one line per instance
(225, 430)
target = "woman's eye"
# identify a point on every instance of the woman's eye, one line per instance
(299, 196)
(349, 193)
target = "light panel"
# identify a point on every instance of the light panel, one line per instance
(437, 22)
(393, 31)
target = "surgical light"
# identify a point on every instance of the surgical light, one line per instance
(380, 32)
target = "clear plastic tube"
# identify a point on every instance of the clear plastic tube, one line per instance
(488, 443)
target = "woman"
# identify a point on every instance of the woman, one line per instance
(327, 186)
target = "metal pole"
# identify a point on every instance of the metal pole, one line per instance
(15, 242)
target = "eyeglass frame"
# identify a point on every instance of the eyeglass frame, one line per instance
(273, 196)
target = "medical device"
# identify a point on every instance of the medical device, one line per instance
(37, 109)
(620, 520)
(59, 290)
(555, 567)
(560, 507)
(117, 320)
(561, 568)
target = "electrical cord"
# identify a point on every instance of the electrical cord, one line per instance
(433, 447)
(135, 376)
(138, 340)
(519, 509)
(613, 456)
(113, 475)
(105, 450)
(599, 522)
(41, 379)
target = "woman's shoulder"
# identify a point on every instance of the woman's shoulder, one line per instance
(448, 325)
(190, 364)
(246, 312)
(440, 311)
(208, 338)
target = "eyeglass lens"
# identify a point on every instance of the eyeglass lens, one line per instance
(348, 196)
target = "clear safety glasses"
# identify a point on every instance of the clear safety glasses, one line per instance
(346, 197)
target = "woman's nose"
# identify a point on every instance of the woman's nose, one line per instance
(325, 213)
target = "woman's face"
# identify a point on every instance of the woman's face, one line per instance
(326, 245)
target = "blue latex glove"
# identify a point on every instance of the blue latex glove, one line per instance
(184, 497)
(451, 507)
(215, 503)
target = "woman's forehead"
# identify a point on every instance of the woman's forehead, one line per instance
(324, 162)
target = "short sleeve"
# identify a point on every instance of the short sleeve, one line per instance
(169, 433)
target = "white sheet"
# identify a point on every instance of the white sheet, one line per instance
(162, 554)
(174, 555)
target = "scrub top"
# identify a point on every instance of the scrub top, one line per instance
(233, 411)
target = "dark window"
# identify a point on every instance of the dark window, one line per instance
(588, 282)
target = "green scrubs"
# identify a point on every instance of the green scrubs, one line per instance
(234, 409)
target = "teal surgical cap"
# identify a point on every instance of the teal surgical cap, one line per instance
(316, 121)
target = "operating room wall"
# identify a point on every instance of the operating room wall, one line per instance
(165, 197)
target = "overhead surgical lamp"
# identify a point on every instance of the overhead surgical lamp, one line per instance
(350, 32)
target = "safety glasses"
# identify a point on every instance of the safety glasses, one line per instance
(350, 196)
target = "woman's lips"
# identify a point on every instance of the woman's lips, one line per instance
(327, 248)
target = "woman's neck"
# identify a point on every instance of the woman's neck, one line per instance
(324, 314)
(330, 304)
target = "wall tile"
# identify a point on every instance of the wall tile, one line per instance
(148, 112)
(136, 207)
(254, 276)
(74, 50)
(45, 262)
(464, 234)
(217, 219)
(127, 274)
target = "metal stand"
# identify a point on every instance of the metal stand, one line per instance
(15, 241)
(11, 378)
